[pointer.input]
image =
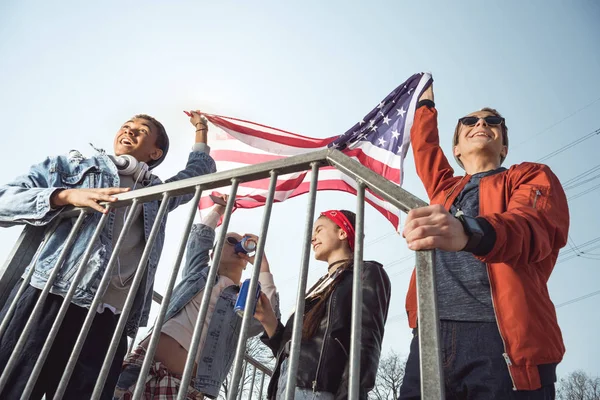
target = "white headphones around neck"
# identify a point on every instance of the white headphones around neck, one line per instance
(129, 165)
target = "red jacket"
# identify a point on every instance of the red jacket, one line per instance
(528, 210)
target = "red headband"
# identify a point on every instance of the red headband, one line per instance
(342, 221)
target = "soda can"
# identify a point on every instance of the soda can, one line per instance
(245, 246)
(240, 303)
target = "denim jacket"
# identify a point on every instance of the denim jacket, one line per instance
(26, 200)
(217, 355)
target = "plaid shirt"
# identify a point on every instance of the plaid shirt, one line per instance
(161, 384)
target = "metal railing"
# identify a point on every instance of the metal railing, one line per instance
(257, 366)
(32, 237)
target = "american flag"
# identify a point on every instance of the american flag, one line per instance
(379, 141)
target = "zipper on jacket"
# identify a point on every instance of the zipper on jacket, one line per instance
(538, 193)
(505, 354)
(314, 384)
(452, 191)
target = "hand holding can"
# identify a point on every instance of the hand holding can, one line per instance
(242, 299)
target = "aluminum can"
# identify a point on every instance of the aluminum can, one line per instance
(240, 303)
(246, 245)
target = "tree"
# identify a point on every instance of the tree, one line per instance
(261, 353)
(578, 386)
(389, 377)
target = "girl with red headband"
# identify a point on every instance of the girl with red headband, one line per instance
(323, 369)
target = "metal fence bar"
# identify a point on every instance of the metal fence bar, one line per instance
(63, 310)
(290, 388)
(389, 191)
(251, 300)
(24, 250)
(16, 263)
(242, 381)
(262, 385)
(251, 382)
(139, 275)
(151, 348)
(210, 282)
(89, 319)
(356, 324)
(258, 365)
(40, 302)
(432, 384)
(220, 179)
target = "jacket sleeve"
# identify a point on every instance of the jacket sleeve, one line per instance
(199, 163)
(535, 224)
(199, 244)
(376, 302)
(26, 200)
(274, 342)
(431, 164)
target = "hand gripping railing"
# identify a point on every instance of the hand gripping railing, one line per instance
(31, 238)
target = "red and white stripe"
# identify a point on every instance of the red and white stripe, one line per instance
(236, 143)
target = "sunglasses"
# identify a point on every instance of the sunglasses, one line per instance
(490, 120)
(232, 241)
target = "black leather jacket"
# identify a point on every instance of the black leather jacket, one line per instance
(323, 364)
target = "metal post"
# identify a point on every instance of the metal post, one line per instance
(252, 381)
(251, 301)
(40, 302)
(210, 283)
(17, 262)
(149, 359)
(242, 381)
(356, 325)
(27, 246)
(137, 279)
(89, 319)
(432, 384)
(63, 310)
(290, 388)
(262, 384)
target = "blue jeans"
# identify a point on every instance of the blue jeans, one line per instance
(299, 393)
(473, 366)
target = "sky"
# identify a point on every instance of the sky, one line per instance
(72, 73)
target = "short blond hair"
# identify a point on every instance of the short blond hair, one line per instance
(504, 134)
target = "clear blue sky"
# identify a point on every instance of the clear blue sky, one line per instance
(72, 72)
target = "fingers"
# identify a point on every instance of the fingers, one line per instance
(252, 236)
(423, 232)
(244, 257)
(113, 190)
(94, 205)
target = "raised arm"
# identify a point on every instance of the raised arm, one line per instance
(432, 165)
(199, 161)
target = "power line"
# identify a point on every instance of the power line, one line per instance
(578, 299)
(556, 123)
(570, 145)
(580, 176)
(402, 317)
(578, 195)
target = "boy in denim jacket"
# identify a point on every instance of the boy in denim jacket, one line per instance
(37, 198)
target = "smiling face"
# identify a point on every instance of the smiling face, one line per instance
(480, 139)
(137, 137)
(328, 238)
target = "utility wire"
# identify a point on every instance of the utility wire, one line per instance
(569, 145)
(556, 123)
